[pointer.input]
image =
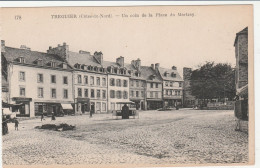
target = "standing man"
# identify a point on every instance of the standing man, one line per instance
(125, 112)
(16, 123)
(42, 116)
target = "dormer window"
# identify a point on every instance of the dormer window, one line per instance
(40, 62)
(129, 72)
(82, 67)
(64, 65)
(173, 75)
(115, 70)
(95, 69)
(21, 60)
(166, 74)
(53, 64)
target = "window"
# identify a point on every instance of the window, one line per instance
(143, 84)
(92, 80)
(22, 91)
(21, 76)
(98, 106)
(104, 107)
(151, 94)
(92, 93)
(98, 93)
(112, 106)
(157, 85)
(137, 94)
(125, 95)
(104, 94)
(86, 79)
(22, 60)
(104, 82)
(156, 94)
(175, 92)
(151, 85)
(79, 92)
(40, 92)
(40, 78)
(166, 83)
(118, 82)
(112, 94)
(53, 93)
(53, 79)
(118, 94)
(112, 82)
(85, 92)
(180, 84)
(65, 80)
(53, 64)
(179, 93)
(125, 83)
(132, 93)
(171, 84)
(142, 93)
(98, 81)
(137, 83)
(79, 79)
(65, 93)
(132, 83)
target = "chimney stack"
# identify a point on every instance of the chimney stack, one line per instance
(152, 65)
(99, 57)
(120, 61)
(2, 46)
(157, 65)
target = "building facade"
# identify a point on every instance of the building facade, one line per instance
(38, 82)
(172, 86)
(241, 75)
(188, 99)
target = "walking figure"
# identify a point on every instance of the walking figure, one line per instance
(42, 117)
(16, 123)
(52, 116)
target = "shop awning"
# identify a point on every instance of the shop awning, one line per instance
(66, 106)
(6, 111)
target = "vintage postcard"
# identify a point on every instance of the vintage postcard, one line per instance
(139, 86)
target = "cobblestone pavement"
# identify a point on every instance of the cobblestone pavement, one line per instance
(157, 137)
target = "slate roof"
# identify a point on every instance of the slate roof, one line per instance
(86, 59)
(147, 72)
(13, 54)
(169, 77)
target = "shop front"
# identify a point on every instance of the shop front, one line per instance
(154, 104)
(23, 110)
(83, 105)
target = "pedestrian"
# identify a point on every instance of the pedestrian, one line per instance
(42, 116)
(90, 113)
(16, 123)
(53, 116)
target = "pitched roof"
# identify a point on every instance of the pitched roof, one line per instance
(77, 58)
(147, 72)
(162, 71)
(13, 54)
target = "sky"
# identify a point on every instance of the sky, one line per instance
(181, 41)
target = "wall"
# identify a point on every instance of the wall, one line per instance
(31, 85)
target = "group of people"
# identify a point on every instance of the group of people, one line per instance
(5, 126)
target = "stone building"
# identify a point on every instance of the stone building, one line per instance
(172, 86)
(241, 75)
(188, 99)
(37, 82)
(137, 87)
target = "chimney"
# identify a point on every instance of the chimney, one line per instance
(120, 61)
(25, 47)
(2, 46)
(138, 63)
(174, 68)
(152, 65)
(61, 51)
(157, 65)
(99, 57)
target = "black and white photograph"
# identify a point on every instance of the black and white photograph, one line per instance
(135, 86)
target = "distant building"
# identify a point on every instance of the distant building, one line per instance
(241, 77)
(188, 98)
(40, 82)
(172, 86)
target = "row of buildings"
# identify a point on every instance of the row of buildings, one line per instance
(37, 82)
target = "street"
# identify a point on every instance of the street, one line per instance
(182, 136)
